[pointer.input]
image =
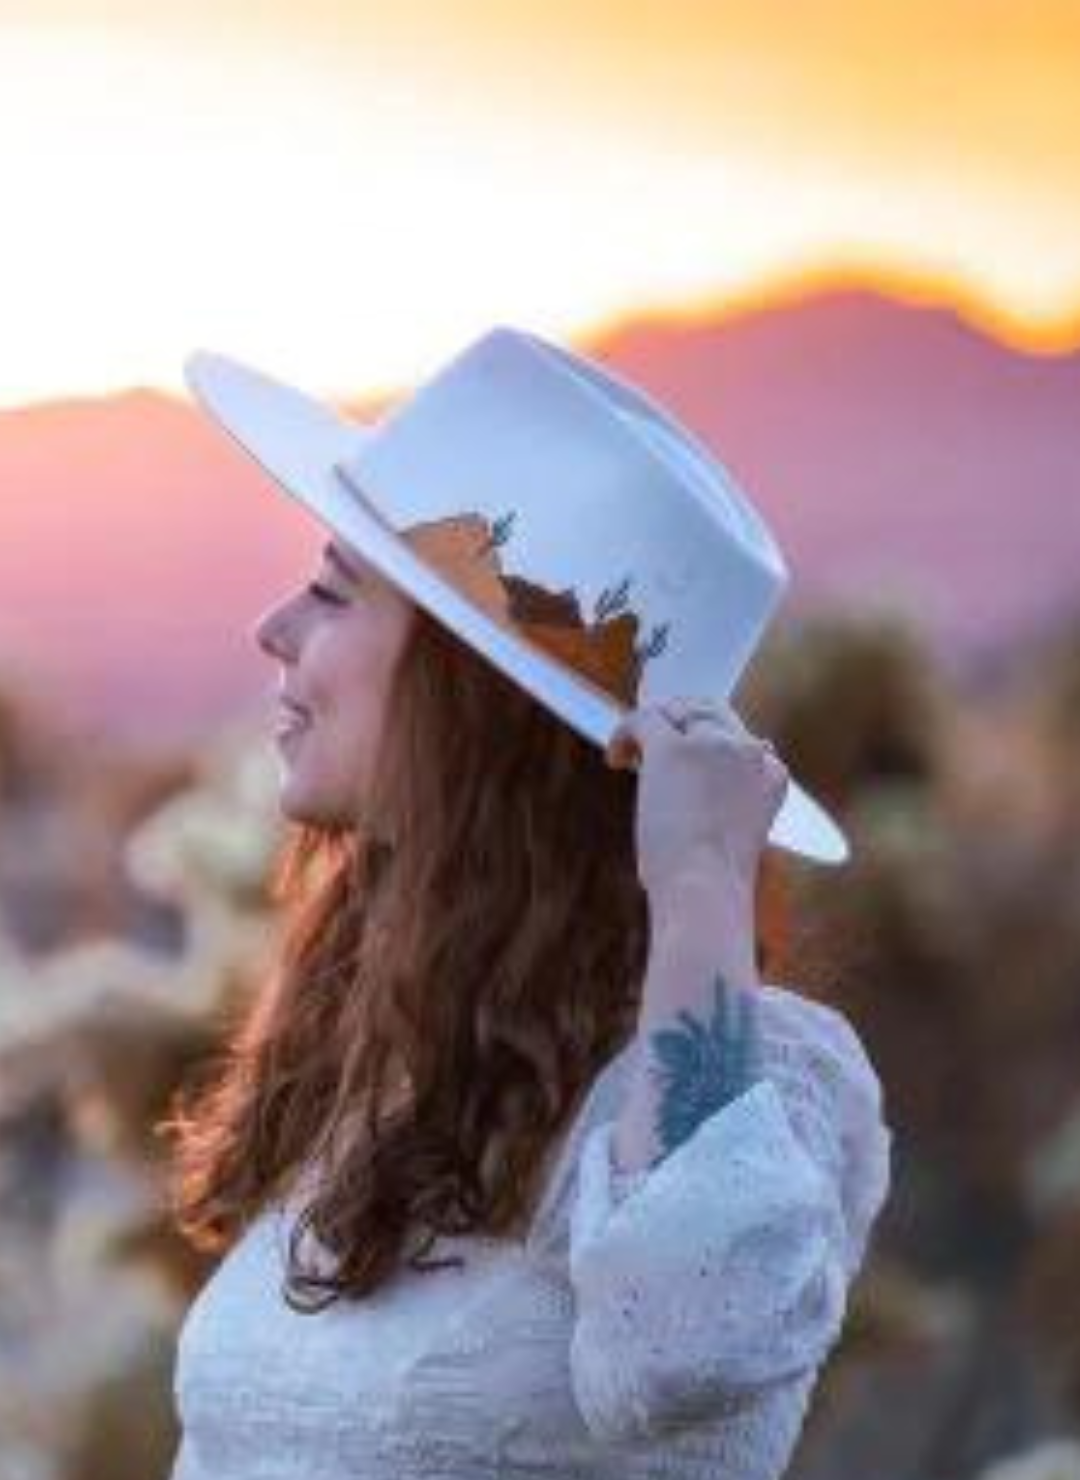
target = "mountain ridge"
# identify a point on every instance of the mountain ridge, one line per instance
(892, 447)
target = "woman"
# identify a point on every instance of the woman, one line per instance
(518, 1165)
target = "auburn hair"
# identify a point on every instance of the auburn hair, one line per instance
(452, 973)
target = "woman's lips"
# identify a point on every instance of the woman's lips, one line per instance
(291, 721)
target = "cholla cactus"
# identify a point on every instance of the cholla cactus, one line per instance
(216, 840)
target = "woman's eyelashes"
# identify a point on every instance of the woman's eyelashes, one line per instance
(323, 593)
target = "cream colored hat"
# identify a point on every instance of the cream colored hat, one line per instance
(553, 516)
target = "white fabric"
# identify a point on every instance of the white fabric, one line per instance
(669, 1322)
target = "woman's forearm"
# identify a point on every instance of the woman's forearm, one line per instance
(698, 1033)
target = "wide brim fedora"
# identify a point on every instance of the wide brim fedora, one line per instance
(330, 463)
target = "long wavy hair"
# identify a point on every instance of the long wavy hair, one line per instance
(452, 973)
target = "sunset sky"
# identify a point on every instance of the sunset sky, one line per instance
(346, 192)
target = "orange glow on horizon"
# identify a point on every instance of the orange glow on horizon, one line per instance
(348, 195)
(904, 285)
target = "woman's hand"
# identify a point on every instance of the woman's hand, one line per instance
(707, 796)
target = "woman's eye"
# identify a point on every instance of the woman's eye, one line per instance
(322, 593)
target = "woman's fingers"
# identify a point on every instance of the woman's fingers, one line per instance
(685, 719)
(640, 729)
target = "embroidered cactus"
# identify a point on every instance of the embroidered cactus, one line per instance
(500, 533)
(610, 601)
(651, 648)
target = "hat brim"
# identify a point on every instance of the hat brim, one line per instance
(300, 442)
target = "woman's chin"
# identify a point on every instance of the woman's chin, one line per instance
(297, 803)
(307, 795)
(300, 804)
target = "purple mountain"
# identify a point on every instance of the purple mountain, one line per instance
(892, 448)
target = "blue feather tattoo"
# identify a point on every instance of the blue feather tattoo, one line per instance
(703, 1067)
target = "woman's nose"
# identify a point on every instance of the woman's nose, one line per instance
(271, 631)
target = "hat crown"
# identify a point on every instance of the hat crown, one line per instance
(628, 549)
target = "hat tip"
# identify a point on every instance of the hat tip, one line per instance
(193, 362)
(201, 365)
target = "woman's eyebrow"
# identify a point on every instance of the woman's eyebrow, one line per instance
(335, 557)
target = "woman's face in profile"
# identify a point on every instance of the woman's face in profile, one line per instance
(337, 641)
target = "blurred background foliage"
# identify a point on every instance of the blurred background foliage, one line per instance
(136, 919)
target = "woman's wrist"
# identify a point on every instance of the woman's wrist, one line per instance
(704, 912)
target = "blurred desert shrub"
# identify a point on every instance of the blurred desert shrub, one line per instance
(1055, 703)
(855, 699)
(66, 803)
(20, 730)
(95, 1036)
(952, 941)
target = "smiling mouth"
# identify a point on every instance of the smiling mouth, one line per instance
(291, 722)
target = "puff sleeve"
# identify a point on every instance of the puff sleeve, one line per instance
(724, 1268)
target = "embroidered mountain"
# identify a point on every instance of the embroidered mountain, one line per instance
(604, 651)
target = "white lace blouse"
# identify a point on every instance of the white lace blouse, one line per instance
(668, 1322)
